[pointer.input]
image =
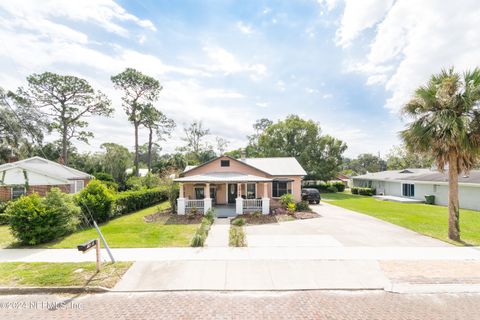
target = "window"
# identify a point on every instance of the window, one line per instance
(408, 190)
(76, 186)
(17, 192)
(225, 163)
(251, 191)
(199, 193)
(279, 188)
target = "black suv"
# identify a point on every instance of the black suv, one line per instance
(311, 195)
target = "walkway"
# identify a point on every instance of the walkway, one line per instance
(219, 233)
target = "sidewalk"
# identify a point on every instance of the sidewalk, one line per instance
(219, 233)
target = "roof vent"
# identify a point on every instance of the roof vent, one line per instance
(406, 171)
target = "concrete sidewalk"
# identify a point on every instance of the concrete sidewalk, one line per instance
(253, 275)
(248, 253)
(219, 233)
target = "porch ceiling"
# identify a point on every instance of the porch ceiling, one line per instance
(223, 177)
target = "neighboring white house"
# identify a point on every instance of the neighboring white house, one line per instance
(39, 175)
(416, 183)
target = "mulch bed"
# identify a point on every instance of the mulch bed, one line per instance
(275, 218)
(167, 217)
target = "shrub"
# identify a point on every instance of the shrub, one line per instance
(291, 207)
(256, 214)
(338, 184)
(35, 220)
(96, 201)
(332, 189)
(354, 190)
(138, 183)
(3, 216)
(238, 222)
(285, 200)
(201, 234)
(130, 201)
(237, 237)
(366, 191)
(104, 176)
(302, 206)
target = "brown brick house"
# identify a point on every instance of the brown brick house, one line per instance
(39, 175)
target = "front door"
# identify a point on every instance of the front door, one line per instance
(232, 192)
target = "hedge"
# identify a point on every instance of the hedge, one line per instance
(3, 217)
(130, 201)
(329, 187)
(363, 191)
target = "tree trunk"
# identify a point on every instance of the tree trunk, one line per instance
(135, 164)
(453, 203)
(149, 155)
(64, 146)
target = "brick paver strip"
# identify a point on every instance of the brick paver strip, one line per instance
(249, 305)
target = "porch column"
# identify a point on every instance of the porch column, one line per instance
(265, 200)
(207, 202)
(239, 200)
(181, 201)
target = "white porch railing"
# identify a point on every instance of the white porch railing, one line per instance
(250, 205)
(198, 205)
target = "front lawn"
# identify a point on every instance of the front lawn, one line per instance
(425, 219)
(43, 274)
(130, 231)
(6, 237)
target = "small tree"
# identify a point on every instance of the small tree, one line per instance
(96, 201)
(172, 189)
(35, 220)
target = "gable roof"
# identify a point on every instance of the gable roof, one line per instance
(421, 175)
(47, 168)
(279, 166)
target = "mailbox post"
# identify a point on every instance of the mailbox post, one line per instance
(84, 247)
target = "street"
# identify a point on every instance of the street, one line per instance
(243, 305)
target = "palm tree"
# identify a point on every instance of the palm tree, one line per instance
(446, 126)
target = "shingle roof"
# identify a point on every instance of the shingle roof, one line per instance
(424, 175)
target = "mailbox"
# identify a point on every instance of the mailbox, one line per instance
(84, 247)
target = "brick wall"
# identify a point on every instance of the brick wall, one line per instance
(42, 190)
(5, 194)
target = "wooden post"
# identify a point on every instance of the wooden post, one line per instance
(239, 190)
(181, 190)
(265, 190)
(99, 261)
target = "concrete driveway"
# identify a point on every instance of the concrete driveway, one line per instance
(336, 227)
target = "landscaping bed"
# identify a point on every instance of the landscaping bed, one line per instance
(46, 274)
(168, 217)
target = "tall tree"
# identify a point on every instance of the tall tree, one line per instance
(365, 162)
(156, 123)
(139, 92)
(446, 126)
(66, 101)
(195, 134)
(320, 155)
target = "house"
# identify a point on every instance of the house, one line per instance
(416, 183)
(234, 186)
(142, 172)
(38, 175)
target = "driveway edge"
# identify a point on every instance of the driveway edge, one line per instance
(35, 290)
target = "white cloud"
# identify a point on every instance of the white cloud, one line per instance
(244, 28)
(330, 4)
(105, 13)
(413, 40)
(262, 104)
(225, 62)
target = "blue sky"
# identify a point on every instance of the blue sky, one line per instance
(347, 64)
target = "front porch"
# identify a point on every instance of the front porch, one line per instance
(230, 194)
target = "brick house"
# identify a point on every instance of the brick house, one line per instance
(39, 175)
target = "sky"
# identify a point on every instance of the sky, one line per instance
(349, 65)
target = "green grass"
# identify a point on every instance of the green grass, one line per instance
(6, 237)
(426, 219)
(128, 231)
(43, 274)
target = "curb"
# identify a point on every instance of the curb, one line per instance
(49, 290)
(403, 288)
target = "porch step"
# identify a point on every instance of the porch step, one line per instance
(219, 233)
